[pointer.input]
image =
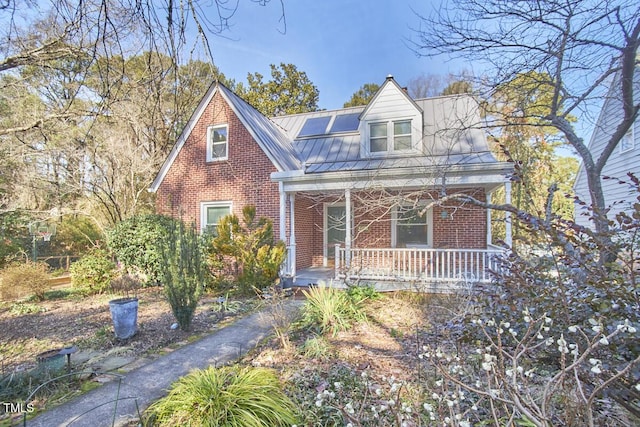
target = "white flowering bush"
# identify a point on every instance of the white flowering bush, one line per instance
(505, 380)
(344, 396)
(552, 340)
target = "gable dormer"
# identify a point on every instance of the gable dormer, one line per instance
(391, 124)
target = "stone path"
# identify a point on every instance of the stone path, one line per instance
(123, 396)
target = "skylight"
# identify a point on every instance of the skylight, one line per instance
(315, 126)
(345, 123)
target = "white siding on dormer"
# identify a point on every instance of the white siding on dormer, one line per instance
(390, 102)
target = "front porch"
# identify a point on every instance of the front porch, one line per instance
(415, 269)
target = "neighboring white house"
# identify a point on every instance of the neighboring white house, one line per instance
(624, 159)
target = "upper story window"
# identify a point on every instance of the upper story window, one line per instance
(378, 137)
(217, 143)
(627, 142)
(389, 137)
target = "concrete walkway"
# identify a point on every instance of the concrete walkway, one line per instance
(119, 401)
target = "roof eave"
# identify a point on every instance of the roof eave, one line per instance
(485, 175)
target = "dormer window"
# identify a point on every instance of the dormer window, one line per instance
(378, 138)
(217, 143)
(402, 135)
(389, 137)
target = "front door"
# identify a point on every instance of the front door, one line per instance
(335, 231)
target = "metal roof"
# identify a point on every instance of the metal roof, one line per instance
(452, 134)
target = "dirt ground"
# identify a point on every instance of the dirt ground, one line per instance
(385, 345)
(86, 323)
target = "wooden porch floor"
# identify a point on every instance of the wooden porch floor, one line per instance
(325, 276)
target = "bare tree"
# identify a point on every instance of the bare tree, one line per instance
(66, 72)
(578, 46)
(429, 85)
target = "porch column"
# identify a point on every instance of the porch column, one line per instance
(292, 233)
(283, 213)
(508, 238)
(347, 234)
(489, 231)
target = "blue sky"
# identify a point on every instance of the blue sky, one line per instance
(340, 44)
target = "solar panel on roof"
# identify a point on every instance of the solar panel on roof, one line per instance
(315, 126)
(345, 123)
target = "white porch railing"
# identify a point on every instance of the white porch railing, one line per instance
(419, 265)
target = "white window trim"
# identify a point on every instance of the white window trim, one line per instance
(415, 136)
(632, 145)
(210, 130)
(394, 228)
(203, 211)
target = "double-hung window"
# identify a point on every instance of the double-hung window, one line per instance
(402, 135)
(627, 143)
(217, 143)
(412, 227)
(378, 137)
(211, 213)
(391, 136)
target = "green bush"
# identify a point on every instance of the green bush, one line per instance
(246, 253)
(330, 310)
(361, 293)
(20, 279)
(225, 397)
(136, 243)
(183, 271)
(93, 272)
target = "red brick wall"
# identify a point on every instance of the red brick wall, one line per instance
(372, 227)
(309, 236)
(465, 226)
(243, 179)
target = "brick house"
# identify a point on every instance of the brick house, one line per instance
(385, 166)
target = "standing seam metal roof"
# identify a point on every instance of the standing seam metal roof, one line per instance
(448, 138)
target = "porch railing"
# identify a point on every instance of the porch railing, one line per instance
(420, 265)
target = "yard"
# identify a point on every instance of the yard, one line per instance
(370, 374)
(29, 328)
